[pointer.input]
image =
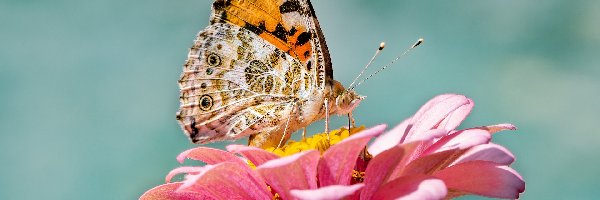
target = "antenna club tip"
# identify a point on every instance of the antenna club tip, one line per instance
(381, 45)
(419, 41)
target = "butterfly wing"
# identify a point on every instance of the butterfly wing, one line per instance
(247, 68)
(228, 86)
(290, 25)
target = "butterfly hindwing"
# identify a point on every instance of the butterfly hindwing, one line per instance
(233, 84)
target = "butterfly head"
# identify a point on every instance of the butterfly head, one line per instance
(345, 100)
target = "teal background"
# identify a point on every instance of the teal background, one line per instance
(89, 88)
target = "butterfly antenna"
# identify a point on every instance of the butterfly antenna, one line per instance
(381, 46)
(417, 43)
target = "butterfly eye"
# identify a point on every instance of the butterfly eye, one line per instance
(206, 102)
(213, 59)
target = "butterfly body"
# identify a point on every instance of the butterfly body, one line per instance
(260, 69)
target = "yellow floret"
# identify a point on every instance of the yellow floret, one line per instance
(320, 142)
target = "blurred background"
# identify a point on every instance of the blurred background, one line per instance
(89, 88)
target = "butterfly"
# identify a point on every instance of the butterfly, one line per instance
(262, 69)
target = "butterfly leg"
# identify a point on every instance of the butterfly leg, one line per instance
(327, 117)
(351, 122)
(304, 133)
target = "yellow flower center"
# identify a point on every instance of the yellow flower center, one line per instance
(320, 142)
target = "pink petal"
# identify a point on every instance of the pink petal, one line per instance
(423, 141)
(483, 178)
(390, 139)
(461, 139)
(431, 163)
(497, 128)
(393, 138)
(432, 102)
(442, 112)
(327, 192)
(257, 156)
(432, 116)
(379, 170)
(298, 171)
(208, 155)
(227, 180)
(181, 170)
(412, 187)
(487, 152)
(338, 161)
(456, 117)
(428, 135)
(412, 151)
(168, 192)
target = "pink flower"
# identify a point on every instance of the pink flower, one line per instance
(422, 158)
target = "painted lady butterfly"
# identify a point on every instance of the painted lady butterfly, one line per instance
(260, 69)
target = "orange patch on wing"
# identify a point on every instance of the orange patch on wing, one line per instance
(302, 52)
(254, 13)
(275, 41)
(266, 16)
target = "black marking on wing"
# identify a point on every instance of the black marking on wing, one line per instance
(281, 33)
(290, 6)
(321, 37)
(194, 131)
(256, 29)
(220, 5)
(303, 38)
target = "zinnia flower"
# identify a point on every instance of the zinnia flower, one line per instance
(424, 157)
